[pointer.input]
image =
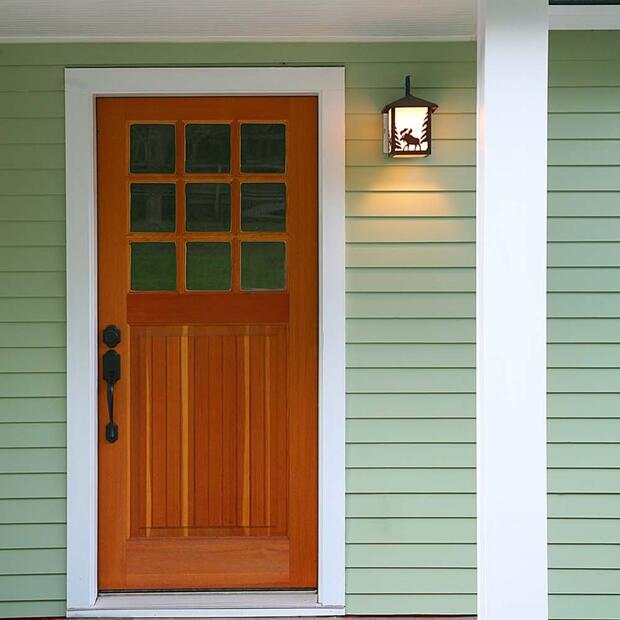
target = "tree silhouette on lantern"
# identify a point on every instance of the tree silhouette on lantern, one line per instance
(425, 125)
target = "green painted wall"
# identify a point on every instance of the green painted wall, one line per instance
(411, 527)
(584, 326)
(410, 229)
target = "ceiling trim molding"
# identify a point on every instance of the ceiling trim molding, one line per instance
(561, 17)
(584, 17)
(265, 39)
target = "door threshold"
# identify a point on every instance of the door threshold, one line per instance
(206, 605)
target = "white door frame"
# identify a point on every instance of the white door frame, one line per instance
(82, 87)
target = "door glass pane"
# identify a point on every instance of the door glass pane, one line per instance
(263, 206)
(153, 266)
(263, 148)
(153, 207)
(207, 207)
(208, 266)
(207, 148)
(152, 148)
(263, 265)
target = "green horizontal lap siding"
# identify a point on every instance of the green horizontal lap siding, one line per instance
(410, 328)
(411, 354)
(584, 326)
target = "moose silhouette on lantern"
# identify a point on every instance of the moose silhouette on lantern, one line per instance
(407, 125)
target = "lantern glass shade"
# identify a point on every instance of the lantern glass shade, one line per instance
(409, 132)
(407, 126)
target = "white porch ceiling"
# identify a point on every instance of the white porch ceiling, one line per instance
(237, 20)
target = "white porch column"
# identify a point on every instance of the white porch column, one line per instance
(511, 309)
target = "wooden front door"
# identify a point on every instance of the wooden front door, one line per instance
(207, 254)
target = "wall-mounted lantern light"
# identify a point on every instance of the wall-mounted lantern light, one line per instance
(407, 125)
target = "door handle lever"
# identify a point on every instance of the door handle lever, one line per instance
(111, 374)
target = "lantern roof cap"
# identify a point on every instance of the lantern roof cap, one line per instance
(409, 101)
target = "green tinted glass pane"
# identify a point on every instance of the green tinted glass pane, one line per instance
(263, 206)
(263, 265)
(208, 267)
(152, 148)
(263, 148)
(207, 148)
(153, 207)
(153, 266)
(207, 207)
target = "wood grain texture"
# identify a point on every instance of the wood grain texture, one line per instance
(210, 308)
(213, 482)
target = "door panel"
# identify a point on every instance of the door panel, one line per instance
(207, 225)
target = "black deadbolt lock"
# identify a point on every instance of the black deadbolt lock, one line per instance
(111, 336)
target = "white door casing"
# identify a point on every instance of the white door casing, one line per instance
(82, 87)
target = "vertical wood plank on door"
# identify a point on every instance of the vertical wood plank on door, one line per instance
(229, 431)
(159, 495)
(214, 446)
(147, 403)
(139, 451)
(257, 431)
(173, 434)
(267, 469)
(245, 433)
(185, 429)
(201, 433)
(279, 425)
(191, 445)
